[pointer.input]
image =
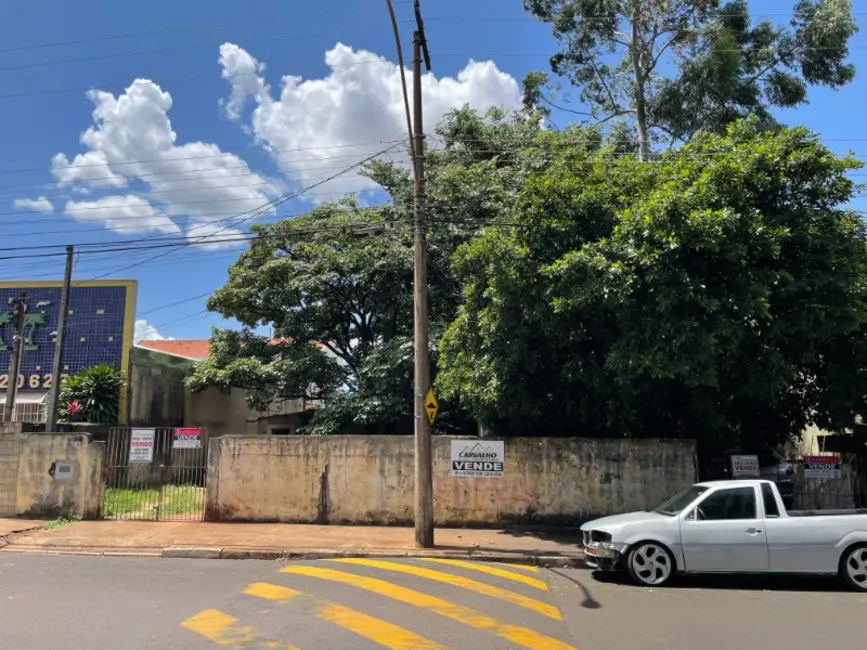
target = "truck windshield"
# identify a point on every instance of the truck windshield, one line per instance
(681, 500)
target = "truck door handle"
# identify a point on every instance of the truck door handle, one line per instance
(753, 531)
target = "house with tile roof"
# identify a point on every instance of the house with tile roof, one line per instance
(159, 369)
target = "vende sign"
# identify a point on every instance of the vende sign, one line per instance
(471, 458)
(188, 438)
(745, 466)
(823, 466)
(141, 445)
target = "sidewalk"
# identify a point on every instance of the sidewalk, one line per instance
(10, 526)
(286, 541)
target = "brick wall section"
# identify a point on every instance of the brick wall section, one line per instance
(10, 451)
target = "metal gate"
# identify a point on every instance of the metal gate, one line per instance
(154, 474)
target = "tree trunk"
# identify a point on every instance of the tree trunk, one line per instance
(640, 105)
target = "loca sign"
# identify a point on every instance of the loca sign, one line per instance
(473, 458)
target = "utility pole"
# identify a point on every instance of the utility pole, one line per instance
(424, 524)
(19, 307)
(54, 393)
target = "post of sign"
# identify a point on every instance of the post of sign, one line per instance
(54, 392)
(19, 308)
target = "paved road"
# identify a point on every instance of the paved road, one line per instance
(90, 603)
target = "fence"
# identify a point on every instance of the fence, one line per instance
(844, 489)
(154, 474)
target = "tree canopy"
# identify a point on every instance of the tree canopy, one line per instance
(719, 291)
(672, 68)
(335, 285)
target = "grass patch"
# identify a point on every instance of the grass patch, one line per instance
(61, 521)
(173, 501)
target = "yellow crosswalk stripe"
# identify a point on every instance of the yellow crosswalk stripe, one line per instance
(225, 631)
(490, 570)
(524, 567)
(382, 632)
(459, 581)
(521, 636)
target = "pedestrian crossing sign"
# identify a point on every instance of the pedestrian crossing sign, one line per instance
(431, 406)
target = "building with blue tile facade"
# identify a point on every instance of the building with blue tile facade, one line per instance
(99, 329)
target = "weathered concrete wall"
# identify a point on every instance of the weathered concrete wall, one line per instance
(43, 492)
(10, 450)
(369, 479)
(219, 412)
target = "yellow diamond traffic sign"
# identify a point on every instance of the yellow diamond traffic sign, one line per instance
(431, 406)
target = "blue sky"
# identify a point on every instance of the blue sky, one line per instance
(214, 168)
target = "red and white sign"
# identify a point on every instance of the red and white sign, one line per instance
(823, 466)
(188, 438)
(745, 466)
(141, 446)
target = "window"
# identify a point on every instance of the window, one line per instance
(733, 503)
(771, 508)
(681, 500)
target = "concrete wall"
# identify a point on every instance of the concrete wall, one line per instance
(43, 492)
(10, 450)
(369, 479)
(156, 397)
(219, 412)
(29, 486)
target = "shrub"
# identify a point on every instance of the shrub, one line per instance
(91, 395)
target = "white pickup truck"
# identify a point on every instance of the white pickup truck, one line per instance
(738, 526)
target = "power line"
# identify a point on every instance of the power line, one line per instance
(343, 10)
(166, 81)
(147, 244)
(176, 30)
(219, 155)
(176, 80)
(174, 50)
(283, 37)
(205, 217)
(266, 207)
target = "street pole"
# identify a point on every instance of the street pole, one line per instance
(20, 306)
(54, 393)
(424, 524)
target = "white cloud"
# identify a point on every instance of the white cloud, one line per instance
(126, 214)
(360, 100)
(40, 204)
(131, 142)
(147, 332)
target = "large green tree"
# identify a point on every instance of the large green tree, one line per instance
(671, 68)
(335, 285)
(720, 292)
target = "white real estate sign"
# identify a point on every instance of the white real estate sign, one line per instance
(478, 458)
(141, 446)
(745, 466)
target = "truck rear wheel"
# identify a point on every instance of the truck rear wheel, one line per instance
(853, 567)
(650, 564)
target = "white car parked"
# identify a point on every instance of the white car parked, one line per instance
(738, 526)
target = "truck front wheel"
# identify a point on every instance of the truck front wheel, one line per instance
(650, 564)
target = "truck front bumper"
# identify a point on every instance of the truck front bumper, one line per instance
(602, 556)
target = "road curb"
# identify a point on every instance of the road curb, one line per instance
(549, 561)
